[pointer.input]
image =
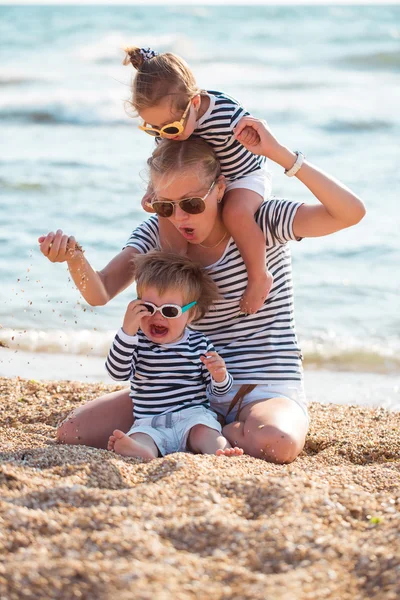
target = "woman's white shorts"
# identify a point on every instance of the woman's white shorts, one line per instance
(292, 390)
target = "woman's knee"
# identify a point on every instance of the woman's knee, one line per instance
(67, 431)
(269, 442)
(273, 444)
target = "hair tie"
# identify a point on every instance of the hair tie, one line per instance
(148, 53)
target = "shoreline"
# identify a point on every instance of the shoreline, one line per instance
(322, 385)
(83, 522)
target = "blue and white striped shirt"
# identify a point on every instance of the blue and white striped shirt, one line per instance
(216, 127)
(259, 348)
(164, 377)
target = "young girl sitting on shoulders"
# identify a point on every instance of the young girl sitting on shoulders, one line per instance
(166, 96)
(171, 368)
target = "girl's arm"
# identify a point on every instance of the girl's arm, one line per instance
(97, 287)
(340, 207)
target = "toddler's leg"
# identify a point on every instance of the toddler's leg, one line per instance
(204, 440)
(171, 239)
(238, 216)
(138, 445)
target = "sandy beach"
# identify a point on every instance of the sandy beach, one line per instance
(84, 523)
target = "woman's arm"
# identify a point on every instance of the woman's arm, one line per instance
(340, 207)
(97, 287)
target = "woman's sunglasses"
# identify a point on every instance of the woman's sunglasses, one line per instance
(192, 206)
(167, 131)
(168, 311)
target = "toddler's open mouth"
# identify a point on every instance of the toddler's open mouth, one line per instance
(157, 331)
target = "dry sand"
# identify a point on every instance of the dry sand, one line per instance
(83, 523)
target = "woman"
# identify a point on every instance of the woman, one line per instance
(266, 414)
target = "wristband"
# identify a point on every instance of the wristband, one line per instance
(297, 165)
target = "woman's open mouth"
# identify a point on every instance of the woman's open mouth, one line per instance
(187, 232)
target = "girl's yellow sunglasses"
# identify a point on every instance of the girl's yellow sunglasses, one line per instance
(170, 130)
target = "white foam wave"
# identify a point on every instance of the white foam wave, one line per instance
(320, 352)
(59, 341)
(110, 46)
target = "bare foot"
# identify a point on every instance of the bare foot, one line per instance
(230, 452)
(122, 444)
(256, 292)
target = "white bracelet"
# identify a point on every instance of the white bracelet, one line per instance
(297, 165)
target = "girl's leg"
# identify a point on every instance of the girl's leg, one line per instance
(239, 208)
(273, 429)
(138, 445)
(170, 238)
(92, 423)
(204, 440)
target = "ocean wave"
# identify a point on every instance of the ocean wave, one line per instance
(24, 186)
(109, 48)
(389, 61)
(336, 354)
(357, 125)
(58, 116)
(16, 81)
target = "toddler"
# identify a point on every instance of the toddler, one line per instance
(171, 367)
(166, 96)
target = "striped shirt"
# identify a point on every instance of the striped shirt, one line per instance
(164, 377)
(216, 127)
(260, 348)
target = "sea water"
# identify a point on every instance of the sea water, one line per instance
(72, 157)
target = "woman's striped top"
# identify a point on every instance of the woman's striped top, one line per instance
(164, 377)
(263, 347)
(216, 127)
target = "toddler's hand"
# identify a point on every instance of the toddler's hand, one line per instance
(215, 365)
(133, 316)
(248, 137)
(265, 145)
(58, 247)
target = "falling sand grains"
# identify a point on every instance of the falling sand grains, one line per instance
(77, 522)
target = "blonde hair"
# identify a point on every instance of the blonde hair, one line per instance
(171, 159)
(166, 271)
(159, 76)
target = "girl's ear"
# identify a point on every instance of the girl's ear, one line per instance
(196, 101)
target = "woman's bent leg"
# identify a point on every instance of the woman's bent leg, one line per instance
(93, 423)
(273, 429)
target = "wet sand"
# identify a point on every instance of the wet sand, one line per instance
(77, 522)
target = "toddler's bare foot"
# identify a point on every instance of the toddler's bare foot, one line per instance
(256, 292)
(230, 452)
(122, 444)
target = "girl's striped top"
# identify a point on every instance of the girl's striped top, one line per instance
(216, 127)
(263, 347)
(164, 377)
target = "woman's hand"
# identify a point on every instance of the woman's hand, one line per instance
(133, 316)
(256, 137)
(58, 247)
(215, 365)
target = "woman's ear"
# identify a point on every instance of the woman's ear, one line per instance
(221, 185)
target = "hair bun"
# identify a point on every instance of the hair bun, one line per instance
(137, 56)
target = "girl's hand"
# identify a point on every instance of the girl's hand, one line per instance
(215, 365)
(58, 247)
(133, 316)
(261, 141)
